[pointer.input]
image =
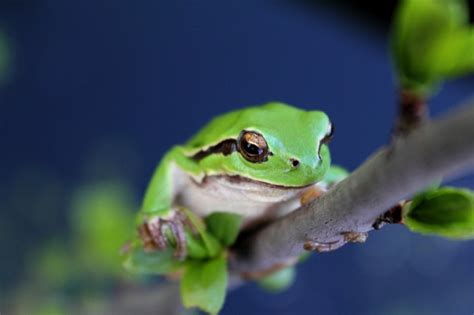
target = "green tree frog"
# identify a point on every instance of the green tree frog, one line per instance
(258, 162)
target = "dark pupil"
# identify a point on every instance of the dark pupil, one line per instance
(252, 149)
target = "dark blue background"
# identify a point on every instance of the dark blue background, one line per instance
(119, 82)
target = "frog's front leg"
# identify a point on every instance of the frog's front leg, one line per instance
(160, 223)
(158, 233)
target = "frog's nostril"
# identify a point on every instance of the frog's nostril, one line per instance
(294, 162)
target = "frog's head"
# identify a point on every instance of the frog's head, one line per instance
(274, 143)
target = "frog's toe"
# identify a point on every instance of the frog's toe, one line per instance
(311, 193)
(347, 237)
(176, 226)
(321, 247)
(151, 235)
(158, 234)
(355, 237)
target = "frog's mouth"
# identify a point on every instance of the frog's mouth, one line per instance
(238, 179)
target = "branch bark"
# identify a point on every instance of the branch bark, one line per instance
(443, 148)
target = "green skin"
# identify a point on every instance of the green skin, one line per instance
(290, 134)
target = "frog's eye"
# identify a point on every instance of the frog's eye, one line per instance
(252, 146)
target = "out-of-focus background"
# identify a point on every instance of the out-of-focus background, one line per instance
(92, 93)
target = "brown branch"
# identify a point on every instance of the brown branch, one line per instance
(440, 149)
(412, 112)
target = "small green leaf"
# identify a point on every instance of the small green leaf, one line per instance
(204, 284)
(431, 41)
(157, 263)
(210, 242)
(101, 219)
(196, 221)
(198, 249)
(279, 281)
(224, 226)
(447, 212)
(304, 257)
(453, 54)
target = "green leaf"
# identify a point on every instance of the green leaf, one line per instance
(447, 212)
(204, 284)
(156, 263)
(196, 221)
(431, 41)
(210, 242)
(305, 256)
(54, 264)
(453, 55)
(197, 249)
(101, 216)
(224, 226)
(279, 281)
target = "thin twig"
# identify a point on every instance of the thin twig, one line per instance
(412, 112)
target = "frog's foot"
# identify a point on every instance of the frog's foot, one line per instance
(347, 237)
(323, 247)
(355, 237)
(311, 193)
(158, 232)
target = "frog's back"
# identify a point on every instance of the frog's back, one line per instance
(278, 116)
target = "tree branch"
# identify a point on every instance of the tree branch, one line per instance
(440, 149)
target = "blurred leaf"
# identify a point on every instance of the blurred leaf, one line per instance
(51, 309)
(53, 265)
(305, 256)
(102, 217)
(447, 212)
(4, 57)
(158, 262)
(224, 226)
(279, 281)
(204, 284)
(453, 54)
(431, 41)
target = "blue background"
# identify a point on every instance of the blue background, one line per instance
(100, 88)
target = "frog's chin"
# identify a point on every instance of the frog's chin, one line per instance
(237, 194)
